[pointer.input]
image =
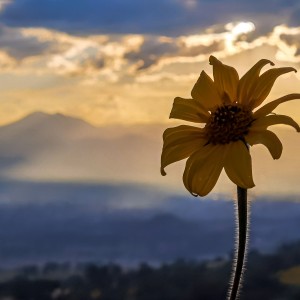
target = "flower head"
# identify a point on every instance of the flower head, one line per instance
(228, 107)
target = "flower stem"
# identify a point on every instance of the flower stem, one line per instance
(242, 235)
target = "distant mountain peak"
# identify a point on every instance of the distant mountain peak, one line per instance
(45, 115)
(56, 125)
(36, 114)
(39, 117)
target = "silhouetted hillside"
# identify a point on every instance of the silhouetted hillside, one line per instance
(267, 277)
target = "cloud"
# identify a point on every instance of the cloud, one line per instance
(159, 50)
(26, 48)
(162, 17)
(19, 45)
(115, 16)
(287, 41)
(118, 77)
(124, 57)
(152, 49)
(281, 44)
(128, 58)
(81, 56)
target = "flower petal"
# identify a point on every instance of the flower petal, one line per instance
(226, 79)
(265, 122)
(265, 84)
(238, 165)
(189, 110)
(179, 143)
(249, 80)
(268, 108)
(268, 139)
(206, 92)
(203, 169)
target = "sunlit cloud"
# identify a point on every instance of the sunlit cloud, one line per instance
(287, 41)
(119, 77)
(240, 28)
(116, 57)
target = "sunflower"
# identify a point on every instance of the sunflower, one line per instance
(229, 109)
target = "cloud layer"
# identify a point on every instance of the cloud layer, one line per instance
(49, 63)
(119, 76)
(137, 57)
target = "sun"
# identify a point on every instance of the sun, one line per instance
(240, 28)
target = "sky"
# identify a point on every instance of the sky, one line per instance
(122, 62)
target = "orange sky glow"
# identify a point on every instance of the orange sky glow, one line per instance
(124, 81)
(130, 79)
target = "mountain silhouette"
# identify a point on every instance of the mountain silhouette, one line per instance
(56, 147)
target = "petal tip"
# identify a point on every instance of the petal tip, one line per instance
(212, 60)
(267, 61)
(277, 156)
(162, 172)
(197, 194)
(252, 186)
(291, 69)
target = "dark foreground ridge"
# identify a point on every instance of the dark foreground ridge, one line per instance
(268, 277)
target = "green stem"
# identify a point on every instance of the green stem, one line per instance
(242, 215)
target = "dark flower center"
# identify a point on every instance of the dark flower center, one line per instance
(228, 123)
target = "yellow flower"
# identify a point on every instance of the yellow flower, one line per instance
(226, 106)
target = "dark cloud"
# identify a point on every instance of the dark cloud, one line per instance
(203, 49)
(120, 16)
(170, 17)
(152, 50)
(291, 39)
(20, 46)
(155, 48)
